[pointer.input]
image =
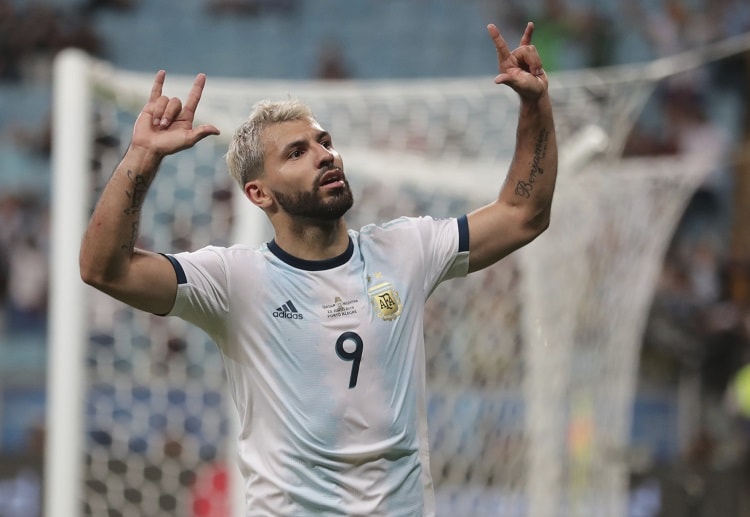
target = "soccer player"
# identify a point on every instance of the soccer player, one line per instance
(320, 329)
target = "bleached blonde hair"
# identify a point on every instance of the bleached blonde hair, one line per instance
(244, 157)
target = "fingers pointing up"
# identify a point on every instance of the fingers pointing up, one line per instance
(521, 69)
(171, 122)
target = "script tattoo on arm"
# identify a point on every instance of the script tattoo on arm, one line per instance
(140, 187)
(136, 196)
(525, 188)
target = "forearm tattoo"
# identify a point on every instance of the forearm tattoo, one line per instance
(133, 236)
(136, 196)
(525, 188)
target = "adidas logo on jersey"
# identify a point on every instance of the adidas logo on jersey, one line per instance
(288, 311)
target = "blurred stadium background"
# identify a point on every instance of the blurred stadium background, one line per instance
(155, 422)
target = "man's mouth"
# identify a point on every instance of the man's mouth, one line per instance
(332, 178)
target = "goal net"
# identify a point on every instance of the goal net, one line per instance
(531, 363)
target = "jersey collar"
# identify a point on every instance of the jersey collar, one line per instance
(312, 265)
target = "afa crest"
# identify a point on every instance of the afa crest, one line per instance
(385, 301)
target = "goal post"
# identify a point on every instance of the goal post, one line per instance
(67, 332)
(529, 391)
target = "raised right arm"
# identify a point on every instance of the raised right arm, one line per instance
(108, 258)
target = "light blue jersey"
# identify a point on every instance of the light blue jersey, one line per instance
(325, 360)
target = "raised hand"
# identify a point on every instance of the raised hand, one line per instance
(520, 69)
(165, 125)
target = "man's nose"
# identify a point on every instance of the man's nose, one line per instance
(325, 156)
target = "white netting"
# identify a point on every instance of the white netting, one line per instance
(531, 363)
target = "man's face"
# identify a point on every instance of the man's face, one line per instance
(304, 172)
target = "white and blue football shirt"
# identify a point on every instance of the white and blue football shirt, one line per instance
(325, 362)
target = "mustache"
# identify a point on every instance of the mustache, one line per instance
(328, 168)
(324, 170)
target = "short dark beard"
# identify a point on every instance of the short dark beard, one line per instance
(309, 205)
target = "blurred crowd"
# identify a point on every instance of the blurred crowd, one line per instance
(574, 34)
(24, 250)
(32, 33)
(30, 36)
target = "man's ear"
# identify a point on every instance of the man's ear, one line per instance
(258, 194)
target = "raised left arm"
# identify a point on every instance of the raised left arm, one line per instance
(521, 211)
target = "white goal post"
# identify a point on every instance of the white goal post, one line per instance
(67, 334)
(517, 355)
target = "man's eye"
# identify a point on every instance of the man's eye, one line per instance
(295, 154)
(327, 144)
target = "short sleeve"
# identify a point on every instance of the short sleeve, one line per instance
(441, 244)
(202, 289)
(445, 248)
